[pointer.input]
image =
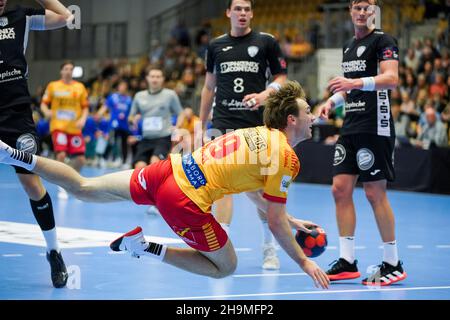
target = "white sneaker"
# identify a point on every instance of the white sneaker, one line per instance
(4, 154)
(271, 261)
(133, 242)
(62, 194)
(153, 211)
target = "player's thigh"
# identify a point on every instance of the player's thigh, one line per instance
(111, 187)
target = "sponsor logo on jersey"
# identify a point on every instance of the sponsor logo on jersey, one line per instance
(3, 22)
(239, 66)
(283, 63)
(27, 143)
(227, 49)
(193, 172)
(354, 66)
(253, 51)
(346, 50)
(355, 106)
(10, 74)
(7, 34)
(360, 51)
(339, 154)
(365, 159)
(255, 140)
(285, 183)
(390, 53)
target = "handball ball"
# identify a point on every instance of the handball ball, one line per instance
(314, 243)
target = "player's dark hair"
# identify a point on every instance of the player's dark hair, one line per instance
(283, 103)
(65, 63)
(230, 2)
(372, 2)
(153, 68)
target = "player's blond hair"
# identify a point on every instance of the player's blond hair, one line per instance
(283, 103)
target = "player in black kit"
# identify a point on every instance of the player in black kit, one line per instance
(239, 66)
(16, 124)
(366, 146)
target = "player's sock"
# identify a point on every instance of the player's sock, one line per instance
(390, 253)
(43, 213)
(268, 236)
(15, 157)
(226, 228)
(347, 248)
(155, 250)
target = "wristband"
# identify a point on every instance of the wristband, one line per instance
(369, 84)
(338, 100)
(275, 85)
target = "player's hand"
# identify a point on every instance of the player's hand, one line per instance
(341, 84)
(318, 275)
(323, 111)
(302, 225)
(254, 101)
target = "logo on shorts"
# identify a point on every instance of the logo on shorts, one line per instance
(339, 154)
(76, 142)
(27, 143)
(365, 159)
(182, 233)
(3, 21)
(253, 51)
(141, 179)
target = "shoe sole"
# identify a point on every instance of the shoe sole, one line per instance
(115, 245)
(344, 276)
(385, 284)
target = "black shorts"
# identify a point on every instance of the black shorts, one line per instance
(146, 148)
(18, 130)
(369, 156)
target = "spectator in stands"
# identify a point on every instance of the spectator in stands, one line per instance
(411, 60)
(438, 87)
(433, 132)
(408, 106)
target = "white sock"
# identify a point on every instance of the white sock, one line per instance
(226, 228)
(347, 248)
(18, 158)
(390, 253)
(51, 239)
(268, 236)
(155, 250)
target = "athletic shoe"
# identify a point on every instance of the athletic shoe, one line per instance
(58, 269)
(343, 270)
(386, 275)
(133, 242)
(271, 261)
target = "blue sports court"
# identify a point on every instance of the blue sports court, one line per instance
(85, 230)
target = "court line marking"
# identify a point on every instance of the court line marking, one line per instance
(443, 246)
(12, 255)
(304, 293)
(82, 253)
(415, 246)
(268, 275)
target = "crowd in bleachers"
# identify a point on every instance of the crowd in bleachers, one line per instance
(420, 105)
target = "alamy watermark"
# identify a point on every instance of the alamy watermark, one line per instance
(74, 22)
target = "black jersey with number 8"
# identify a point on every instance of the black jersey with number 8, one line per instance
(242, 65)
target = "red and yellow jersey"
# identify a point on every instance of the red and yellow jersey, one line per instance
(244, 160)
(67, 102)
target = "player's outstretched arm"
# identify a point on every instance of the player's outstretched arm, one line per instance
(279, 226)
(109, 188)
(56, 14)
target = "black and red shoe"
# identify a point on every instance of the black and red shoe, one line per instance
(386, 275)
(343, 270)
(133, 242)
